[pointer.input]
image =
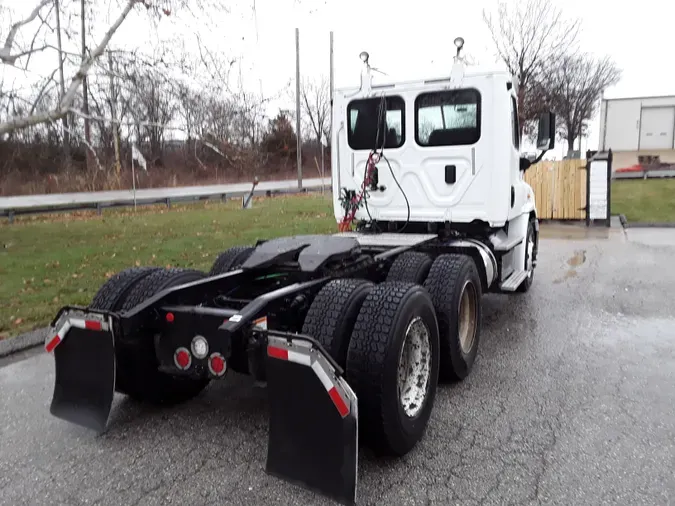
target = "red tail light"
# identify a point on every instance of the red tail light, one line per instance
(182, 359)
(217, 364)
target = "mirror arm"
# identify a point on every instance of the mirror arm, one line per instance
(541, 155)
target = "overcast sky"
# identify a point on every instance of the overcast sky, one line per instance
(410, 40)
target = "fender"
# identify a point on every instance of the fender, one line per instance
(529, 203)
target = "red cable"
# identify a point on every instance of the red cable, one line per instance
(355, 202)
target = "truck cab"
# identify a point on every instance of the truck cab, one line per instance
(448, 150)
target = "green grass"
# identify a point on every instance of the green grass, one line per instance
(49, 262)
(645, 200)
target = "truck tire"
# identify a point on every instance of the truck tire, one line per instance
(530, 245)
(410, 267)
(230, 259)
(332, 314)
(392, 365)
(138, 374)
(455, 288)
(115, 289)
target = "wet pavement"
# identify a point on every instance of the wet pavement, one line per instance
(571, 401)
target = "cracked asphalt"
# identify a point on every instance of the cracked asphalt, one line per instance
(571, 401)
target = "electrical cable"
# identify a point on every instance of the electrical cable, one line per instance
(407, 203)
(373, 158)
(382, 107)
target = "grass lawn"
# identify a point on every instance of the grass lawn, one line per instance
(644, 200)
(50, 261)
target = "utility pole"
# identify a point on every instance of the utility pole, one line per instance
(85, 93)
(297, 105)
(113, 113)
(332, 82)
(62, 83)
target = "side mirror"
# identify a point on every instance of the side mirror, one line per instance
(546, 135)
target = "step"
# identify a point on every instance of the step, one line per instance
(506, 245)
(512, 283)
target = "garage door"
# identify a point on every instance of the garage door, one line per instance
(656, 128)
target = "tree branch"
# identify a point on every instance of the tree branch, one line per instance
(76, 83)
(6, 55)
(42, 91)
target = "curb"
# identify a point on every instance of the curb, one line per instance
(625, 224)
(23, 342)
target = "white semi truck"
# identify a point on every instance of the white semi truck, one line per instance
(351, 332)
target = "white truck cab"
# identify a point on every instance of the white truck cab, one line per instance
(445, 157)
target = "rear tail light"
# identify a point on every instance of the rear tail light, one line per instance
(182, 359)
(217, 364)
(200, 347)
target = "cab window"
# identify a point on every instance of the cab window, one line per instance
(447, 118)
(363, 117)
(515, 125)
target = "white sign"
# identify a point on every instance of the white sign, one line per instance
(138, 156)
(598, 190)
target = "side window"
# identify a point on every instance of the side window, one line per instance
(515, 125)
(365, 115)
(447, 118)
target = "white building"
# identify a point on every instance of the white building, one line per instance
(638, 130)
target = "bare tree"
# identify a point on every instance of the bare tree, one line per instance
(76, 82)
(315, 106)
(572, 89)
(529, 36)
(11, 53)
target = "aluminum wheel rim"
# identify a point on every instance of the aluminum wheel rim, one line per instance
(468, 317)
(529, 265)
(414, 367)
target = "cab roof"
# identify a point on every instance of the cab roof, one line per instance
(429, 82)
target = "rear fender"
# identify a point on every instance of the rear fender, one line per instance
(313, 434)
(83, 345)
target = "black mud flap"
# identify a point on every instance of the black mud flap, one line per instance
(313, 434)
(85, 372)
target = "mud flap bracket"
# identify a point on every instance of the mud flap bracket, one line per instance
(313, 434)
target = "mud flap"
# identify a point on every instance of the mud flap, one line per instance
(85, 373)
(313, 434)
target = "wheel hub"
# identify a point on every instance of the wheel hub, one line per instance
(530, 251)
(414, 367)
(468, 317)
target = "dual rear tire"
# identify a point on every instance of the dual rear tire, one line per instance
(395, 341)
(137, 373)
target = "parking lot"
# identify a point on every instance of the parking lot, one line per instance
(571, 401)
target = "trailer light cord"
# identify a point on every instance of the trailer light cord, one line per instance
(357, 199)
(373, 159)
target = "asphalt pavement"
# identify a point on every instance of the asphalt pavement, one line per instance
(571, 401)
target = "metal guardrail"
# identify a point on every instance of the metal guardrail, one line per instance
(98, 201)
(645, 174)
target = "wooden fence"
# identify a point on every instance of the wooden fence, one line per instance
(559, 189)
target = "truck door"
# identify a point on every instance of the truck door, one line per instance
(447, 135)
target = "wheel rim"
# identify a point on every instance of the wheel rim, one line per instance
(468, 317)
(529, 264)
(414, 367)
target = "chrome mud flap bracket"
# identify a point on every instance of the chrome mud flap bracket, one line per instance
(313, 434)
(84, 356)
